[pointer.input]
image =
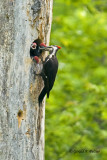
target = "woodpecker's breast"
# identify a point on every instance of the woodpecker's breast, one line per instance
(52, 56)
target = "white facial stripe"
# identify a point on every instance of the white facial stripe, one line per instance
(53, 52)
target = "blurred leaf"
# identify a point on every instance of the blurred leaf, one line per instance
(76, 112)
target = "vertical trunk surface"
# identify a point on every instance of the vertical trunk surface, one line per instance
(21, 121)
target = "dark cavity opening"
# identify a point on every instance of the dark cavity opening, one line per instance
(20, 113)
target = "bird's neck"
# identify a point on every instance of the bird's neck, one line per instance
(53, 52)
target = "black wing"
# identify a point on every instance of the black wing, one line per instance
(50, 69)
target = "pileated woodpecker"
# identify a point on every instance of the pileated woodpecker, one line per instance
(49, 71)
(36, 50)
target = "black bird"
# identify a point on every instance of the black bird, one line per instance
(49, 71)
(36, 50)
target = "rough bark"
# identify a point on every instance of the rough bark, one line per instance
(21, 121)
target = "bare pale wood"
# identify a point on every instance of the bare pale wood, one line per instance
(21, 120)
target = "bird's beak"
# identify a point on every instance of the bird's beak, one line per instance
(33, 45)
(42, 48)
(47, 48)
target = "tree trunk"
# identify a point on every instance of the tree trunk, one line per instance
(21, 120)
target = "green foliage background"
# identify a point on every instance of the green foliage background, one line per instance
(76, 112)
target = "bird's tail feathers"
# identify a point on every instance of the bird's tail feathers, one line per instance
(41, 96)
(47, 94)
